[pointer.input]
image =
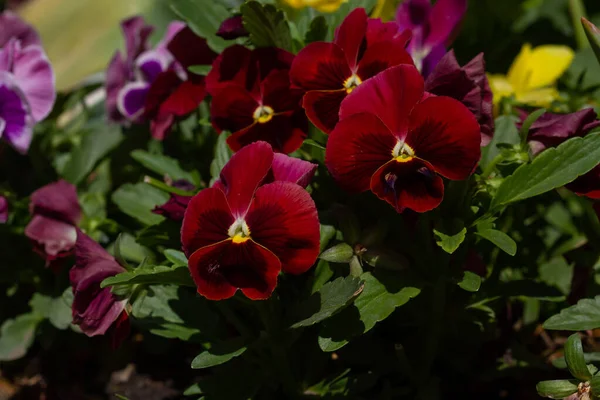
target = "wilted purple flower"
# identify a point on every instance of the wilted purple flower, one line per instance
(27, 91)
(550, 129)
(3, 210)
(56, 213)
(232, 28)
(129, 76)
(432, 28)
(96, 309)
(175, 207)
(469, 85)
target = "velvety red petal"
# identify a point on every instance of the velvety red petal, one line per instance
(381, 56)
(277, 94)
(290, 169)
(379, 31)
(446, 134)
(411, 184)
(320, 66)
(163, 86)
(206, 220)
(243, 173)
(351, 35)
(283, 218)
(285, 133)
(232, 28)
(391, 95)
(587, 185)
(323, 106)
(232, 109)
(120, 330)
(57, 200)
(190, 49)
(229, 67)
(357, 147)
(221, 269)
(185, 99)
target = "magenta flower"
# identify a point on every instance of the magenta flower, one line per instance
(96, 309)
(56, 213)
(232, 28)
(432, 28)
(3, 210)
(175, 207)
(27, 91)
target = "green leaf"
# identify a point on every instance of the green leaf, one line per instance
(204, 17)
(313, 143)
(557, 389)
(383, 292)
(595, 386)
(317, 32)
(574, 358)
(582, 316)
(200, 69)
(117, 252)
(267, 25)
(96, 143)
(151, 274)
(220, 353)
(500, 239)
(327, 233)
(506, 133)
(130, 250)
(329, 300)
(222, 155)
(531, 118)
(176, 257)
(470, 282)
(56, 310)
(450, 243)
(340, 253)
(139, 200)
(16, 336)
(561, 363)
(554, 167)
(162, 165)
(593, 34)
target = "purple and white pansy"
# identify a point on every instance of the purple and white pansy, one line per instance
(129, 76)
(27, 88)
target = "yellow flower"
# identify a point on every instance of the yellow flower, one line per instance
(385, 9)
(532, 76)
(320, 5)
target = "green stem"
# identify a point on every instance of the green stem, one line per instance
(163, 186)
(492, 165)
(436, 318)
(577, 11)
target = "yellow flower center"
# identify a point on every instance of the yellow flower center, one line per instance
(263, 114)
(403, 152)
(239, 232)
(351, 83)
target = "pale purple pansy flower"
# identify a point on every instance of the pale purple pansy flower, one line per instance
(27, 90)
(432, 28)
(129, 76)
(56, 213)
(96, 309)
(3, 210)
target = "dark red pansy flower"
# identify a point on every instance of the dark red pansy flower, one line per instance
(177, 92)
(56, 213)
(550, 130)
(469, 85)
(328, 72)
(391, 141)
(241, 233)
(232, 28)
(96, 310)
(175, 207)
(257, 102)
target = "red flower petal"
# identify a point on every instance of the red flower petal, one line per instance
(284, 133)
(410, 184)
(357, 147)
(320, 66)
(229, 67)
(290, 169)
(390, 95)
(381, 56)
(206, 220)
(190, 49)
(162, 87)
(232, 109)
(220, 269)
(185, 99)
(446, 134)
(277, 94)
(243, 173)
(587, 185)
(283, 218)
(351, 34)
(322, 107)
(378, 31)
